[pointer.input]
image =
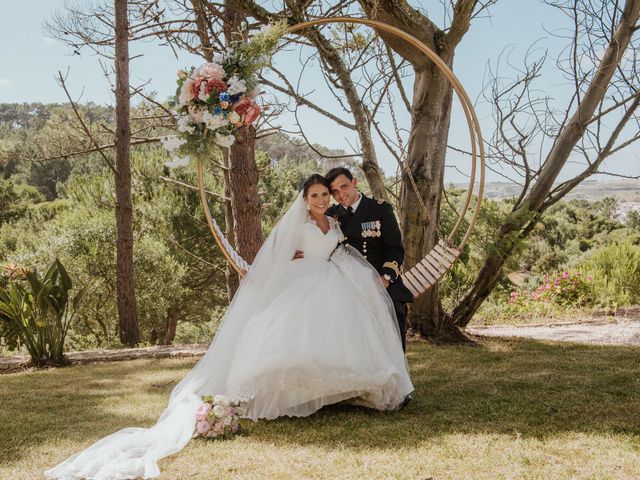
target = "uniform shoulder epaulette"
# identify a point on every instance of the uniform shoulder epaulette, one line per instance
(379, 201)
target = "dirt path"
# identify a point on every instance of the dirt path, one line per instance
(618, 331)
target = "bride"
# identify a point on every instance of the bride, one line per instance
(299, 334)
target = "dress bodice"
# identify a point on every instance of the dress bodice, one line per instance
(314, 243)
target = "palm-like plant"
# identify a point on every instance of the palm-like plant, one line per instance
(38, 312)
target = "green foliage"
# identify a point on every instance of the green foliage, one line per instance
(615, 270)
(38, 312)
(15, 200)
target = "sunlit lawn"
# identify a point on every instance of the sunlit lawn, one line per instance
(506, 409)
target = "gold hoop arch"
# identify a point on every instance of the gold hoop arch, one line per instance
(477, 147)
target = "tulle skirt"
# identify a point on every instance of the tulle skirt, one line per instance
(329, 336)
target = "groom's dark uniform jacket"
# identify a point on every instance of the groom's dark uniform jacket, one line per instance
(373, 230)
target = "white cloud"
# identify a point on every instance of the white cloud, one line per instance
(49, 42)
(5, 82)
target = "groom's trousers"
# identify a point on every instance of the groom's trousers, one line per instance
(401, 314)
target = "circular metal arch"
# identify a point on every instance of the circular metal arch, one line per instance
(477, 147)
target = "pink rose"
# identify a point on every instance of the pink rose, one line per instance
(203, 426)
(186, 92)
(211, 70)
(218, 428)
(203, 411)
(196, 113)
(234, 427)
(231, 411)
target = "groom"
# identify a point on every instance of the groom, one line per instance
(370, 226)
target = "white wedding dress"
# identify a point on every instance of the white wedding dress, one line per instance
(299, 334)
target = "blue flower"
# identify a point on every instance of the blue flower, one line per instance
(217, 110)
(224, 97)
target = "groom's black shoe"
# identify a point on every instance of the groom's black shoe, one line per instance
(406, 401)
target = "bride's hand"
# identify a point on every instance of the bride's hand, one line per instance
(298, 254)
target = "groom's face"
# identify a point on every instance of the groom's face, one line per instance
(345, 191)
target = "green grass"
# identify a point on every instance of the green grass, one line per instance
(507, 409)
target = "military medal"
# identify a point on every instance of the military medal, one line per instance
(371, 229)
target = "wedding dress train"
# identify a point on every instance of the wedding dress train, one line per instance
(299, 334)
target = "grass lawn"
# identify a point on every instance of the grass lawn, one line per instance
(507, 409)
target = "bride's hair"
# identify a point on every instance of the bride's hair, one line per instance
(314, 179)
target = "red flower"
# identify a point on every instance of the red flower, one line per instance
(252, 114)
(217, 85)
(196, 86)
(243, 106)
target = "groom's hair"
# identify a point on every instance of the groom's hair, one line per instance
(336, 172)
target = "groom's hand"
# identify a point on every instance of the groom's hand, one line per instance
(384, 282)
(298, 254)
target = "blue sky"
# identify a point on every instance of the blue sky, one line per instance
(30, 62)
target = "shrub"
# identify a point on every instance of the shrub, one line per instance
(35, 311)
(566, 290)
(615, 269)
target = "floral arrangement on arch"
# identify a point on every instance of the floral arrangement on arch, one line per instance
(215, 99)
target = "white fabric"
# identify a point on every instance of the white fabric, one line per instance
(298, 335)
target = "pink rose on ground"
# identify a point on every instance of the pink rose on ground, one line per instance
(211, 70)
(252, 115)
(234, 427)
(203, 411)
(218, 428)
(203, 427)
(231, 411)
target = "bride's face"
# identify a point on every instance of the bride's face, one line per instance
(318, 199)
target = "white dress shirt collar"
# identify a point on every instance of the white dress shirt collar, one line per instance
(355, 205)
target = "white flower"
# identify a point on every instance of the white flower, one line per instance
(213, 122)
(202, 93)
(233, 118)
(227, 420)
(219, 411)
(210, 70)
(225, 141)
(221, 400)
(178, 162)
(172, 142)
(236, 85)
(183, 124)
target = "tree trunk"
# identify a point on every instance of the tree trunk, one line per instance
(169, 333)
(426, 159)
(125, 289)
(242, 168)
(243, 186)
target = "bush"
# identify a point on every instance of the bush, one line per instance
(615, 270)
(565, 290)
(35, 311)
